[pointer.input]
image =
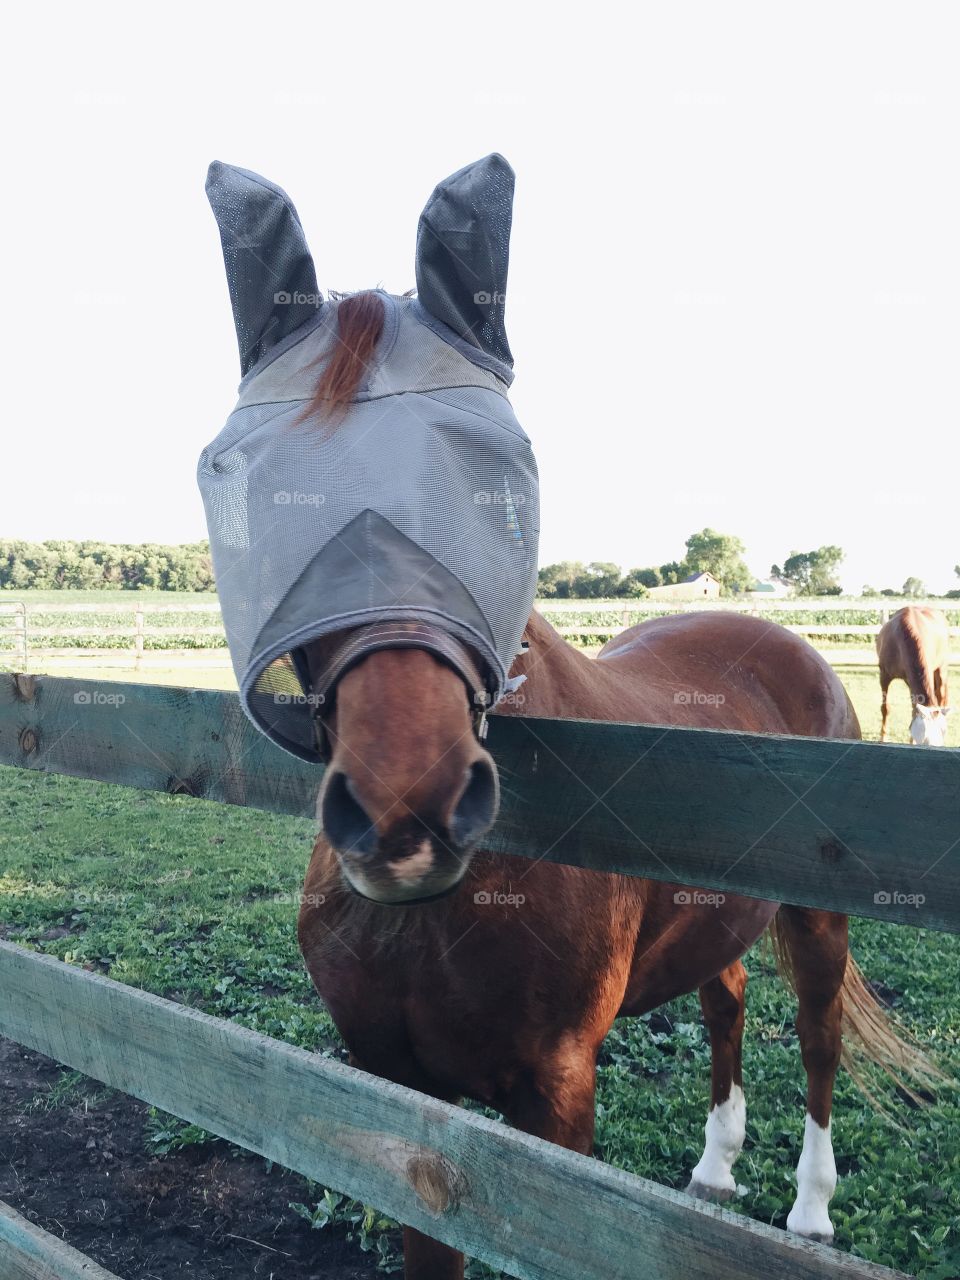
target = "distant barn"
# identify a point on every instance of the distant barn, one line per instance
(774, 588)
(699, 586)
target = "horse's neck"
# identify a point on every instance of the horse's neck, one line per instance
(560, 680)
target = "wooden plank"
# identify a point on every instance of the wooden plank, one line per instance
(514, 1201)
(183, 741)
(28, 1253)
(812, 821)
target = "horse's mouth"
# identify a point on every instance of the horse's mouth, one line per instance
(401, 902)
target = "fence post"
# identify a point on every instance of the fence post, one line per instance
(138, 640)
(20, 636)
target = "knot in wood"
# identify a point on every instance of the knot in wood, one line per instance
(24, 687)
(434, 1182)
(831, 850)
(185, 786)
(29, 741)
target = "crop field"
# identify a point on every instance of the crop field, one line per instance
(197, 902)
(185, 612)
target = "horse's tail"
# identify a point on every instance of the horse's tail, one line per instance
(877, 1050)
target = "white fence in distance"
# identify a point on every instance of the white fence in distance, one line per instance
(28, 640)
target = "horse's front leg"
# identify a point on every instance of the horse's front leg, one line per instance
(427, 1259)
(423, 1257)
(884, 709)
(556, 1100)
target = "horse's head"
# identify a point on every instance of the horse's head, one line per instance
(373, 516)
(928, 728)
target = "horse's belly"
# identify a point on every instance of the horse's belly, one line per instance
(688, 939)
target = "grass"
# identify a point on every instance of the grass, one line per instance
(197, 902)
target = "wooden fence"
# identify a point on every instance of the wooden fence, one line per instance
(828, 824)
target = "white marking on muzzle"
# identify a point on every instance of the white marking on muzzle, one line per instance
(412, 869)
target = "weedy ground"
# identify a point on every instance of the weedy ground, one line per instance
(197, 902)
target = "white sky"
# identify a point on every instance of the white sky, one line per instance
(734, 296)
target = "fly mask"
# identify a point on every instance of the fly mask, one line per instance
(414, 518)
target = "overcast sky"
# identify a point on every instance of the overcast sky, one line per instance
(734, 296)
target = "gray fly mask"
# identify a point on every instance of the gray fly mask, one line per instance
(421, 507)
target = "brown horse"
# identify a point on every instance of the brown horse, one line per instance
(914, 646)
(497, 978)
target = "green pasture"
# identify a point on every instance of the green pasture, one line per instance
(197, 902)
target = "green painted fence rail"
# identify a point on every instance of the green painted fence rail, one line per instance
(28, 1253)
(523, 1205)
(864, 828)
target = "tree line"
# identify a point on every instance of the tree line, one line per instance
(65, 565)
(62, 565)
(808, 573)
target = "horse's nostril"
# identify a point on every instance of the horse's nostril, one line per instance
(346, 823)
(477, 806)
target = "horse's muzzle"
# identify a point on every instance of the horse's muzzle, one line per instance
(408, 856)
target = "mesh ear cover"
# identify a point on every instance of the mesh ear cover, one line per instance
(266, 256)
(422, 505)
(463, 249)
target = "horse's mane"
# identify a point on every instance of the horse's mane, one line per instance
(360, 320)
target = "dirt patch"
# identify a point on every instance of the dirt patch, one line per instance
(81, 1171)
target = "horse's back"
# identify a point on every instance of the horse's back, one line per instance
(726, 670)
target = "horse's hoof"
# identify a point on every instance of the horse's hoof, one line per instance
(812, 1223)
(717, 1195)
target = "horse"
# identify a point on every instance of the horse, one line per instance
(437, 980)
(372, 505)
(914, 646)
